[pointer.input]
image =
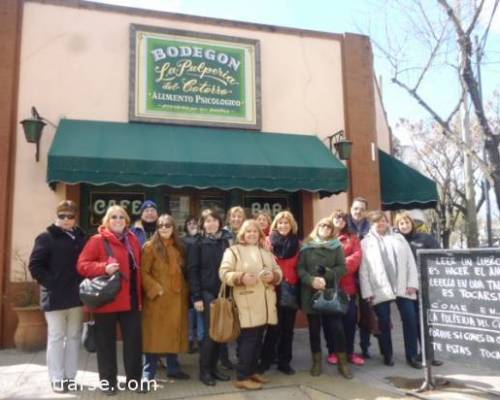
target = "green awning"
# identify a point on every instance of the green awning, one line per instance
(100, 153)
(403, 187)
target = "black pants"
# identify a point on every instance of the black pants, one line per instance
(279, 338)
(334, 327)
(249, 346)
(349, 321)
(209, 350)
(105, 335)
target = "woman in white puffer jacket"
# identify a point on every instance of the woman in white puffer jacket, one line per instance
(388, 273)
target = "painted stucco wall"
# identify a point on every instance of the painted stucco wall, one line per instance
(75, 63)
(383, 129)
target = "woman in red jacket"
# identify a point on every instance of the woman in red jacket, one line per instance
(278, 342)
(349, 283)
(97, 258)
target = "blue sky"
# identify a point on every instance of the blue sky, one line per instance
(341, 16)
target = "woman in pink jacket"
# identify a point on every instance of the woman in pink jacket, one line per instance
(349, 283)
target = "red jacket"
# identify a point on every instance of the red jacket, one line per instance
(352, 251)
(93, 260)
(288, 265)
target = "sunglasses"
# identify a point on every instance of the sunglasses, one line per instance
(166, 226)
(66, 216)
(117, 217)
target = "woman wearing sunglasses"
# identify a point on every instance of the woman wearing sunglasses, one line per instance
(53, 265)
(125, 257)
(321, 265)
(165, 311)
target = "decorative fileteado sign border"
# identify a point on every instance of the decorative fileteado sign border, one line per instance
(194, 78)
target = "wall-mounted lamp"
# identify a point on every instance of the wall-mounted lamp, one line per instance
(342, 146)
(33, 129)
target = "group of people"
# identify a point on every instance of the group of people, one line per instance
(168, 283)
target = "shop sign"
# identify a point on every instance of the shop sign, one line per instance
(100, 202)
(194, 78)
(270, 205)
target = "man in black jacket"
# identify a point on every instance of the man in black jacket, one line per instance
(53, 265)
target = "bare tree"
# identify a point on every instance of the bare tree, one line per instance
(437, 40)
(435, 156)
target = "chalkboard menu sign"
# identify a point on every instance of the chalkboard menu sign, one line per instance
(461, 303)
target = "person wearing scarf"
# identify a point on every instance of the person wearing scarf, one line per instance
(145, 227)
(203, 260)
(388, 273)
(321, 266)
(406, 226)
(349, 284)
(165, 311)
(125, 309)
(278, 342)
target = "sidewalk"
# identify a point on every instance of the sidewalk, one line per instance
(24, 376)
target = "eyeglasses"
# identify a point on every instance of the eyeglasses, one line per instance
(117, 217)
(66, 216)
(166, 226)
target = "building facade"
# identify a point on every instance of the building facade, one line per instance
(77, 63)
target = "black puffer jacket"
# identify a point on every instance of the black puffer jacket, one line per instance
(419, 240)
(203, 260)
(53, 265)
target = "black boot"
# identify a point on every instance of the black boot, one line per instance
(207, 378)
(216, 374)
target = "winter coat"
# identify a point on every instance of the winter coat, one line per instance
(94, 258)
(288, 265)
(139, 231)
(420, 240)
(164, 317)
(203, 260)
(53, 264)
(328, 255)
(352, 252)
(361, 229)
(256, 304)
(372, 274)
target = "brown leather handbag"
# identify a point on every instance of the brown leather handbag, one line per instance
(224, 321)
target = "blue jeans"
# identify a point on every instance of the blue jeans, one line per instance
(151, 362)
(406, 309)
(196, 329)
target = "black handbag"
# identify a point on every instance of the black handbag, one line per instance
(289, 295)
(330, 301)
(101, 290)
(88, 336)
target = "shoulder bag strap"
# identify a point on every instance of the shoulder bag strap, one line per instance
(107, 246)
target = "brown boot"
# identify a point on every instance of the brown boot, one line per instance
(343, 366)
(259, 378)
(247, 384)
(316, 368)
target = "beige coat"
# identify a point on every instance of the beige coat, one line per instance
(164, 317)
(256, 304)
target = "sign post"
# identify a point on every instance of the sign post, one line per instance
(459, 307)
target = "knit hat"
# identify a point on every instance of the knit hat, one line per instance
(148, 204)
(67, 206)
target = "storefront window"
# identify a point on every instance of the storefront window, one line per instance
(213, 202)
(179, 207)
(272, 204)
(100, 201)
